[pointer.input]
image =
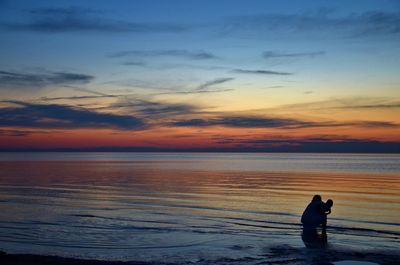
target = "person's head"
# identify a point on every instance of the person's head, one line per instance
(317, 198)
(329, 203)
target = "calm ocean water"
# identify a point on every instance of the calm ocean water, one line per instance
(192, 206)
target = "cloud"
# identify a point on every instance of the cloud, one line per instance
(372, 106)
(21, 133)
(272, 54)
(275, 86)
(321, 145)
(152, 109)
(94, 94)
(14, 133)
(58, 20)
(244, 122)
(345, 104)
(261, 145)
(375, 124)
(378, 23)
(74, 98)
(192, 55)
(196, 92)
(28, 115)
(322, 23)
(90, 91)
(38, 80)
(133, 63)
(217, 81)
(176, 88)
(191, 66)
(260, 72)
(271, 122)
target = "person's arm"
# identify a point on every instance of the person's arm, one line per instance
(321, 208)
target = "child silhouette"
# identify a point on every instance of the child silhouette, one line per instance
(327, 210)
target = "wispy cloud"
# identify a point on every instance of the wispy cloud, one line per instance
(244, 122)
(28, 115)
(275, 86)
(21, 133)
(133, 63)
(346, 104)
(152, 110)
(273, 122)
(74, 19)
(322, 23)
(165, 87)
(260, 72)
(93, 94)
(213, 82)
(188, 92)
(75, 98)
(187, 54)
(38, 80)
(272, 54)
(14, 133)
(372, 106)
(375, 124)
(87, 90)
(320, 144)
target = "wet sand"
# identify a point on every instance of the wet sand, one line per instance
(26, 259)
(275, 255)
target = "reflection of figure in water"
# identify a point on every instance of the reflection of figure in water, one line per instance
(313, 216)
(312, 238)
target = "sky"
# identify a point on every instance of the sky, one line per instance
(216, 75)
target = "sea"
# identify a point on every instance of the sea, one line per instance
(191, 207)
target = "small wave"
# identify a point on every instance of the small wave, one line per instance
(367, 222)
(28, 222)
(363, 231)
(85, 215)
(122, 219)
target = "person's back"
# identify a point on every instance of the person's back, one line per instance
(314, 214)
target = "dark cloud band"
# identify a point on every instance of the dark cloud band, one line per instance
(260, 72)
(54, 116)
(266, 122)
(193, 55)
(35, 80)
(272, 54)
(60, 20)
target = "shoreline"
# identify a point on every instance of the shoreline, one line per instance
(275, 255)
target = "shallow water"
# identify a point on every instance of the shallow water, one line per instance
(155, 206)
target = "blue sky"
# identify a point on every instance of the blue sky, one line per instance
(221, 58)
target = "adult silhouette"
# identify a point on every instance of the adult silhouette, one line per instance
(315, 213)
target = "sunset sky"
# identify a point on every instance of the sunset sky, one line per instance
(211, 75)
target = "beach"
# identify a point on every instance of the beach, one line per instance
(155, 208)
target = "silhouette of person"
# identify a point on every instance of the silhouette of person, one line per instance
(327, 210)
(314, 214)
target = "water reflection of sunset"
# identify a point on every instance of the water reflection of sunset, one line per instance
(211, 190)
